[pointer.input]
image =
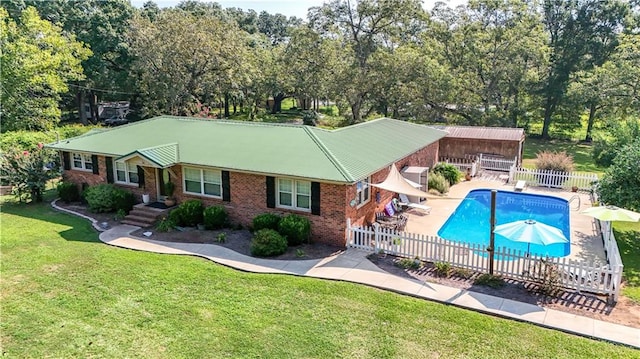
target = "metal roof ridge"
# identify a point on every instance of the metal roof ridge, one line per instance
(357, 125)
(234, 122)
(335, 161)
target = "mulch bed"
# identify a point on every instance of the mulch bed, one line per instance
(590, 305)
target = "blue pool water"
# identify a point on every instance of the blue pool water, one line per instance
(470, 221)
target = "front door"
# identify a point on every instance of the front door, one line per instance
(163, 178)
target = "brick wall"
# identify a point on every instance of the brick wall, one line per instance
(248, 196)
(86, 178)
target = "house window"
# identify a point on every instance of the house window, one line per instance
(294, 194)
(82, 162)
(126, 173)
(363, 191)
(203, 182)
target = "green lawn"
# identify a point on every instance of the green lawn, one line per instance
(628, 238)
(581, 153)
(64, 294)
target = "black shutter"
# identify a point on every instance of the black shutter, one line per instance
(315, 198)
(226, 187)
(271, 192)
(109, 163)
(66, 160)
(94, 163)
(140, 177)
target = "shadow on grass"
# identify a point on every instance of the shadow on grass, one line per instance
(629, 246)
(80, 229)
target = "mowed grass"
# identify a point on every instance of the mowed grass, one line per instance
(65, 294)
(628, 238)
(580, 152)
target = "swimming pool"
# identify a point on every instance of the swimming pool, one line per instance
(470, 221)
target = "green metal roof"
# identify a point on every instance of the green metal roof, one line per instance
(345, 155)
(162, 155)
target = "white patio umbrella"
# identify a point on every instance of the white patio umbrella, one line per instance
(531, 232)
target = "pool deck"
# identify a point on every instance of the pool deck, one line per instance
(586, 244)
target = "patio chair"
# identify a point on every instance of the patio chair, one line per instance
(404, 201)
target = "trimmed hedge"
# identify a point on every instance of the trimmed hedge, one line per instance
(214, 217)
(267, 243)
(296, 229)
(266, 220)
(108, 198)
(68, 192)
(188, 214)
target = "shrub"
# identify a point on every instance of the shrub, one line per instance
(438, 183)
(221, 238)
(68, 192)
(408, 263)
(309, 117)
(214, 217)
(191, 213)
(450, 172)
(492, 281)
(548, 277)
(166, 224)
(619, 185)
(267, 242)
(296, 229)
(175, 216)
(108, 198)
(554, 161)
(28, 171)
(620, 134)
(120, 214)
(442, 269)
(266, 220)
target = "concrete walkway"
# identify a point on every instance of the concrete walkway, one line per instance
(353, 266)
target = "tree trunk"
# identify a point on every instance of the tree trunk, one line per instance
(81, 111)
(592, 116)
(277, 103)
(235, 106)
(226, 105)
(93, 105)
(548, 112)
(355, 111)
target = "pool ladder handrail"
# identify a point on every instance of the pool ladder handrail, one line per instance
(574, 197)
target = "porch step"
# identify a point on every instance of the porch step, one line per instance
(143, 216)
(136, 223)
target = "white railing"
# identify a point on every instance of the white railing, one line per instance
(611, 250)
(579, 275)
(553, 179)
(493, 163)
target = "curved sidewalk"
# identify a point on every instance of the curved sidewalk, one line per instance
(353, 266)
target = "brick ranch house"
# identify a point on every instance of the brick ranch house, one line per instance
(252, 168)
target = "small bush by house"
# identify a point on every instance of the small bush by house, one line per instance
(296, 229)
(189, 213)
(68, 192)
(450, 172)
(214, 217)
(266, 220)
(108, 198)
(438, 182)
(267, 243)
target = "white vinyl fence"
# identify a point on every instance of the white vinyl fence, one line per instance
(579, 275)
(469, 163)
(553, 179)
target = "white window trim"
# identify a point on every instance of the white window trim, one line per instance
(83, 160)
(127, 181)
(358, 192)
(201, 194)
(294, 195)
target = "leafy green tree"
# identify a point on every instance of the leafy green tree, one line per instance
(363, 29)
(28, 171)
(183, 60)
(609, 142)
(38, 60)
(619, 186)
(494, 49)
(582, 34)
